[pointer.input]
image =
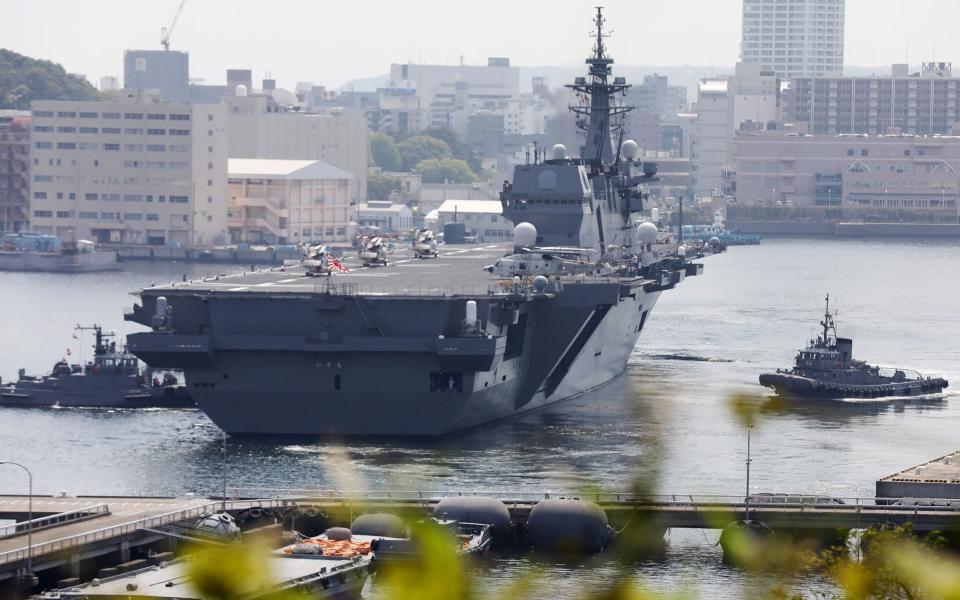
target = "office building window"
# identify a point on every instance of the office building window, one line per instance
(88, 115)
(43, 213)
(133, 116)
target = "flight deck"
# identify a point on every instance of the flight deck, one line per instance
(457, 270)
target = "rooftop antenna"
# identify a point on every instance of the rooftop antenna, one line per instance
(167, 31)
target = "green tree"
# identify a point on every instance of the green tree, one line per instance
(24, 79)
(454, 170)
(419, 148)
(379, 187)
(457, 146)
(385, 153)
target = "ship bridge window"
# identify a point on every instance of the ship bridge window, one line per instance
(446, 382)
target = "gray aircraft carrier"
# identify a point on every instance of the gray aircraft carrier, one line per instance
(433, 345)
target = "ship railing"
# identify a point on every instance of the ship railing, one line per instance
(137, 524)
(757, 499)
(45, 522)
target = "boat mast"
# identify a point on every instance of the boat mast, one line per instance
(602, 117)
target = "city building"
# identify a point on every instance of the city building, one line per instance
(713, 133)
(385, 215)
(289, 201)
(924, 103)
(419, 96)
(750, 96)
(794, 38)
(482, 218)
(14, 170)
(485, 132)
(433, 195)
(165, 70)
(860, 173)
(261, 127)
(133, 171)
(109, 83)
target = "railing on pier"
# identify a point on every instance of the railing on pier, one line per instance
(130, 527)
(48, 521)
(795, 501)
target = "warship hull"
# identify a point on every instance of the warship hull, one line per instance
(397, 401)
(276, 353)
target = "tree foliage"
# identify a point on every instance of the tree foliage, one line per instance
(453, 170)
(419, 148)
(379, 187)
(460, 149)
(385, 152)
(24, 79)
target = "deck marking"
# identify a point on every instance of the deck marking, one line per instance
(239, 289)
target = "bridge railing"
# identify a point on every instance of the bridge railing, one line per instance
(802, 501)
(48, 521)
(135, 525)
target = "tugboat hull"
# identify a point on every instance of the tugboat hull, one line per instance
(796, 386)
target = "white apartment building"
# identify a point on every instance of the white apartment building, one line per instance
(794, 38)
(862, 173)
(289, 201)
(713, 135)
(723, 106)
(259, 128)
(386, 215)
(133, 171)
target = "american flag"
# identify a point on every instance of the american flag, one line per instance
(335, 265)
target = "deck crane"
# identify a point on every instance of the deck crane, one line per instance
(167, 31)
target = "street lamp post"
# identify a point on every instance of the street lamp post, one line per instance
(29, 513)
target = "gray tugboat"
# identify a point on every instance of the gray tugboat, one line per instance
(426, 347)
(826, 369)
(113, 379)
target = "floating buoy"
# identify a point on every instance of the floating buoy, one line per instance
(568, 526)
(338, 533)
(476, 509)
(379, 525)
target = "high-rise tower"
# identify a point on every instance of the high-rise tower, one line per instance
(794, 38)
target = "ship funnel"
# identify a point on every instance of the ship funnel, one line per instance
(845, 348)
(524, 235)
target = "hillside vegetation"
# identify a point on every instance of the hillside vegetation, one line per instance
(24, 79)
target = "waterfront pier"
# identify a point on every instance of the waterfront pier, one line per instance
(82, 537)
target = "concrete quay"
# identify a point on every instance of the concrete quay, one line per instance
(934, 480)
(846, 229)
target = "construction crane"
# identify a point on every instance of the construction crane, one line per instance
(167, 31)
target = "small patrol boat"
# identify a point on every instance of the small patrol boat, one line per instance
(826, 369)
(113, 379)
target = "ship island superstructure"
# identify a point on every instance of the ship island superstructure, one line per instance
(427, 347)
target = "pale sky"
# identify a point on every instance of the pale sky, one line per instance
(330, 43)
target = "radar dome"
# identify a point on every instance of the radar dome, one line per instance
(647, 232)
(240, 90)
(559, 152)
(629, 149)
(524, 235)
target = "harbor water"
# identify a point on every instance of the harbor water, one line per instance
(667, 419)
